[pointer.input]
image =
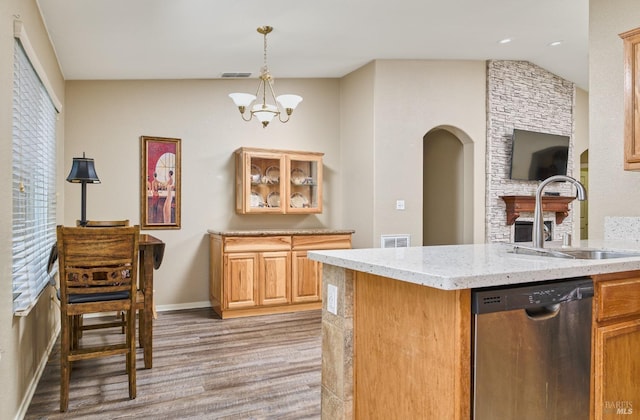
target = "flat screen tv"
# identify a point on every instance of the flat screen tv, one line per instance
(537, 156)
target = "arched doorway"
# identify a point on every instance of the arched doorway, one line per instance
(447, 217)
(584, 205)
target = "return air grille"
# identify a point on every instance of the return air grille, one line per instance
(395, 241)
(235, 75)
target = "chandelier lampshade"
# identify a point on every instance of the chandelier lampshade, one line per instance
(265, 112)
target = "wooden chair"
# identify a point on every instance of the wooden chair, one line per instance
(98, 273)
(139, 303)
(79, 321)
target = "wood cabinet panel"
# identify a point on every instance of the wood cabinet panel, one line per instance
(257, 243)
(631, 42)
(306, 278)
(413, 348)
(618, 298)
(275, 275)
(240, 280)
(616, 370)
(319, 242)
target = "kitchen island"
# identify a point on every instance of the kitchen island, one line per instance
(399, 342)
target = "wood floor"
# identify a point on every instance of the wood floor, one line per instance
(265, 367)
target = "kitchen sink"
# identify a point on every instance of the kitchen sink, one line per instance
(575, 253)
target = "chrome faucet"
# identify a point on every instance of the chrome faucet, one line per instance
(538, 224)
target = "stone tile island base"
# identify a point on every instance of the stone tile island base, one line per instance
(394, 349)
(337, 346)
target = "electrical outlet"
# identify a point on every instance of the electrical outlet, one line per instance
(332, 299)
(399, 204)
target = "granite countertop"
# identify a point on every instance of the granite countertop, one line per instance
(456, 267)
(280, 232)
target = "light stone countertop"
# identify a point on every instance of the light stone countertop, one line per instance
(456, 267)
(280, 232)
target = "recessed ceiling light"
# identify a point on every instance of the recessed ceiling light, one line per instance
(505, 41)
(555, 43)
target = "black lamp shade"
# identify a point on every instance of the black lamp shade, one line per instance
(83, 170)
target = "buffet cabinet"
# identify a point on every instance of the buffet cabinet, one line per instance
(255, 273)
(272, 181)
(631, 41)
(616, 339)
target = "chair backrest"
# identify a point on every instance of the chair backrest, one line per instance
(105, 223)
(97, 264)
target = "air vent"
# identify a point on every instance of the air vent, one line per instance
(235, 75)
(395, 241)
(492, 300)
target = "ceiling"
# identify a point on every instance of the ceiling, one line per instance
(201, 39)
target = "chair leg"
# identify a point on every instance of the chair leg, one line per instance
(65, 366)
(141, 328)
(75, 331)
(131, 355)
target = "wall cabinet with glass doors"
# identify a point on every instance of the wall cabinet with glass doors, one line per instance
(272, 181)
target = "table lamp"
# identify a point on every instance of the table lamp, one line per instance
(84, 172)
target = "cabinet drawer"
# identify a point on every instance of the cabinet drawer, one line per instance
(257, 243)
(317, 242)
(618, 298)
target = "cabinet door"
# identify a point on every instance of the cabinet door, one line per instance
(304, 189)
(616, 370)
(306, 278)
(275, 278)
(240, 285)
(259, 181)
(631, 99)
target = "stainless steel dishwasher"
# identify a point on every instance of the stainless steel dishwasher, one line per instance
(532, 351)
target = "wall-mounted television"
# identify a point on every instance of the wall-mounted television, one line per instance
(536, 156)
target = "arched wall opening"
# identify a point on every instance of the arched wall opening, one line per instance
(447, 210)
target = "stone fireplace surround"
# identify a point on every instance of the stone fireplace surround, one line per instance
(525, 96)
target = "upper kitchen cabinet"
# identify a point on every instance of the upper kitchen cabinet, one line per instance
(631, 40)
(278, 181)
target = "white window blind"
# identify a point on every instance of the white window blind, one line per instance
(33, 182)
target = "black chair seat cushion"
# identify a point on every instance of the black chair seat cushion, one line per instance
(98, 297)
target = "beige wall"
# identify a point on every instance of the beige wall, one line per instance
(580, 144)
(412, 98)
(23, 340)
(106, 118)
(357, 149)
(612, 191)
(383, 122)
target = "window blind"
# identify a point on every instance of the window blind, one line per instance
(33, 182)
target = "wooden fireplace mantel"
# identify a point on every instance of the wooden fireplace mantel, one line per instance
(517, 204)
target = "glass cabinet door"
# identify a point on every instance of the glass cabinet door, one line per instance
(258, 182)
(304, 193)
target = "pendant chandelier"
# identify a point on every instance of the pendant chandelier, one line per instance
(263, 111)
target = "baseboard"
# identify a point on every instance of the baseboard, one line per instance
(33, 385)
(179, 306)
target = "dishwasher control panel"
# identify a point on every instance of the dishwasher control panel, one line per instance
(523, 296)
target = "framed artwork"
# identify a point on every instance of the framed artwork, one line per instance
(160, 175)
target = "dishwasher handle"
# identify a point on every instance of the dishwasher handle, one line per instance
(583, 291)
(543, 313)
